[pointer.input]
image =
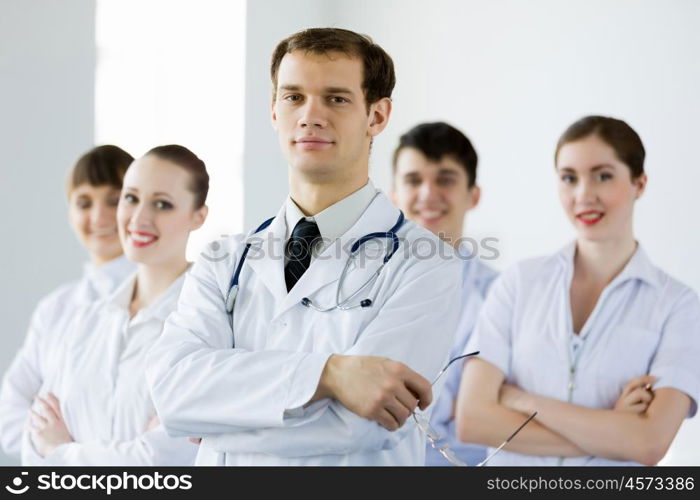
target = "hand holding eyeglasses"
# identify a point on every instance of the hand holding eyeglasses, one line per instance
(375, 388)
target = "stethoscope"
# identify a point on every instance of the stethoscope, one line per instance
(342, 304)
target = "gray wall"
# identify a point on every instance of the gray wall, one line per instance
(47, 65)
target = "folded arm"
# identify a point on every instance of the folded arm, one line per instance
(612, 434)
(482, 419)
(20, 384)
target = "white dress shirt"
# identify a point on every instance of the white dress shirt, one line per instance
(476, 280)
(241, 381)
(335, 220)
(99, 378)
(47, 327)
(645, 322)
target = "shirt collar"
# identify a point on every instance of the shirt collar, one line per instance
(337, 219)
(638, 267)
(104, 278)
(160, 309)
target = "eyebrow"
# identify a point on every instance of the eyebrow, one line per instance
(157, 193)
(327, 90)
(441, 171)
(594, 169)
(447, 171)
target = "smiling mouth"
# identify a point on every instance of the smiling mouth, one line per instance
(590, 218)
(430, 215)
(141, 240)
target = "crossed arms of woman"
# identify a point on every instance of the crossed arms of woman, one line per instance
(639, 428)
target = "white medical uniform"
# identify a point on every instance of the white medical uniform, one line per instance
(99, 378)
(243, 387)
(47, 328)
(644, 322)
(476, 280)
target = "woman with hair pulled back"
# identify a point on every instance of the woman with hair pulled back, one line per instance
(93, 186)
(596, 339)
(97, 409)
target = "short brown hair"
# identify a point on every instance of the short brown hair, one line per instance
(183, 157)
(615, 133)
(436, 140)
(101, 166)
(378, 69)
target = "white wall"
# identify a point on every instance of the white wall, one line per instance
(173, 88)
(47, 63)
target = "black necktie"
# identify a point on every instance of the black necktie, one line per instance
(298, 251)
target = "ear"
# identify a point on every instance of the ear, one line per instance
(379, 116)
(640, 183)
(273, 113)
(475, 195)
(199, 216)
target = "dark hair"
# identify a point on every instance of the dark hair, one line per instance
(101, 166)
(378, 69)
(616, 133)
(183, 157)
(439, 139)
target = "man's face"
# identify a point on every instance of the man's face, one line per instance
(321, 118)
(433, 194)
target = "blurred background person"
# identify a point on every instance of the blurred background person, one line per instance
(93, 186)
(595, 338)
(434, 184)
(95, 408)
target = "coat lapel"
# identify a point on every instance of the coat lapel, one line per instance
(266, 257)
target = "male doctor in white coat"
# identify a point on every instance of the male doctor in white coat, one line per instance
(278, 382)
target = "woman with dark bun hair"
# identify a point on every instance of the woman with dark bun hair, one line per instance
(93, 186)
(96, 409)
(599, 341)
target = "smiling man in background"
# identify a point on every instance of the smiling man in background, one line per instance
(434, 183)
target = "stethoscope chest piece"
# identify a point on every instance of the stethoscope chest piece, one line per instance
(231, 298)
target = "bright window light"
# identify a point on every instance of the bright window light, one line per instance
(172, 72)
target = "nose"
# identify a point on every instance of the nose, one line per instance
(141, 217)
(313, 114)
(102, 215)
(428, 191)
(586, 192)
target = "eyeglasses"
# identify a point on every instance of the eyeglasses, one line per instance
(440, 444)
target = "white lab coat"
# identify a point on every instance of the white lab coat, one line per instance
(243, 388)
(47, 328)
(98, 377)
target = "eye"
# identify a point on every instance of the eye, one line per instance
(335, 99)
(130, 198)
(446, 181)
(568, 179)
(605, 176)
(163, 205)
(412, 181)
(292, 98)
(83, 203)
